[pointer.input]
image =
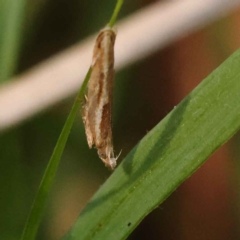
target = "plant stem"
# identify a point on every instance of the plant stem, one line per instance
(35, 215)
(32, 224)
(115, 13)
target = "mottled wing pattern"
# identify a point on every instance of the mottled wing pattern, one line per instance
(97, 115)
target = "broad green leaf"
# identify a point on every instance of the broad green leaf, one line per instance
(165, 157)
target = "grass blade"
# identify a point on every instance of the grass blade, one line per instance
(115, 13)
(165, 157)
(35, 216)
(12, 15)
(32, 224)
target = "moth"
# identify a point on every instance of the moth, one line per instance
(97, 110)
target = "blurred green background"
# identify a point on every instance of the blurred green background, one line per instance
(205, 207)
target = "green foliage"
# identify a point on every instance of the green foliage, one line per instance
(36, 213)
(115, 13)
(11, 22)
(35, 216)
(165, 157)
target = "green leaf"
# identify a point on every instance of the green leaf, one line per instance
(115, 13)
(11, 22)
(37, 209)
(165, 157)
(35, 215)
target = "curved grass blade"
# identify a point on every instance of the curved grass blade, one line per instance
(165, 157)
(35, 216)
(115, 13)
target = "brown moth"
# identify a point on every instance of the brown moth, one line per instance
(97, 111)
